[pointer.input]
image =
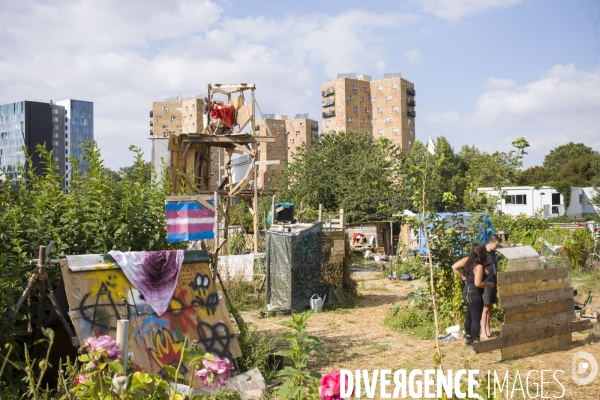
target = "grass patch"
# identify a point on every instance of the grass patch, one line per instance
(243, 294)
(411, 321)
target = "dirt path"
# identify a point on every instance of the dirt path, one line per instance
(358, 339)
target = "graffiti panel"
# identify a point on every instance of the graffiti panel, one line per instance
(101, 295)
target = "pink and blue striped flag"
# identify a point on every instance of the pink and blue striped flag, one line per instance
(189, 220)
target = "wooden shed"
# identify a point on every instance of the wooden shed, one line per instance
(381, 231)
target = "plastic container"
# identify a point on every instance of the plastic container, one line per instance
(455, 331)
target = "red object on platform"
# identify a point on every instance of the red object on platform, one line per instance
(356, 236)
(224, 112)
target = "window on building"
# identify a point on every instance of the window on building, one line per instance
(409, 121)
(56, 127)
(362, 120)
(380, 110)
(327, 122)
(213, 172)
(388, 98)
(388, 120)
(580, 199)
(515, 199)
(373, 121)
(55, 111)
(291, 140)
(273, 156)
(349, 119)
(297, 132)
(164, 126)
(395, 108)
(273, 124)
(178, 109)
(355, 109)
(56, 143)
(179, 127)
(380, 131)
(66, 112)
(55, 119)
(66, 127)
(361, 98)
(66, 151)
(269, 147)
(396, 131)
(367, 110)
(166, 109)
(367, 89)
(173, 118)
(158, 117)
(373, 99)
(66, 135)
(395, 86)
(301, 123)
(410, 143)
(355, 87)
(412, 133)
(302, 139)
(66, 119)
(380, 88)
(349, 97)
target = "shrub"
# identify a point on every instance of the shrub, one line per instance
(579, 247)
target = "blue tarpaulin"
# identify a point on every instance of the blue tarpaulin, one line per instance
(483, 232)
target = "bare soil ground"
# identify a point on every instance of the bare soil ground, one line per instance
(358, 339)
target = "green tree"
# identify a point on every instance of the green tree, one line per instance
(344, 170)
(535, 176)
(561, 155)
(520, 144)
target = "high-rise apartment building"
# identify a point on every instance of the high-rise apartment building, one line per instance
(289, 134)
(75, 125)
(383, 108)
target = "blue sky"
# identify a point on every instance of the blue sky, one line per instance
(485, 71)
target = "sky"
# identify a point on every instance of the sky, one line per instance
(485, 71)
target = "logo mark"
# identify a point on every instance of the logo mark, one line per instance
(589, 367)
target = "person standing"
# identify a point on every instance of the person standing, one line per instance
(490, 294)
(473, 290)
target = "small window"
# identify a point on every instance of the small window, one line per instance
(410, 143)
(55, 111)
(380, 131)
(66, 127)
(362, 120)
(297, 132)
(355, 87)
(396, 131)
(291, 140)
(373, 99)
(349, 97)
(158, 117)
(269, 148)
(361, 98)
(179, 127)
(166, 109)
(373, 121)
(409, 121)
(387, 120)
(367, 110)
(213, 172)
(395, 108)
(380, 110)
(165, 126)
(395, 86)
(273, 124)
(388, 98)
(55, 119)
(178, 109)
(580, 199)
(301, 123)
(367, 89)
(302, 139)
(327, 122)
(66, 135)
(66, 119)
(412, 133)
(516, 199)
(66, 151)
(355, 130)
(380, 88)
(355, 109)
(349, 119)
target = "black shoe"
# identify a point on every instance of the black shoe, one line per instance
(468, 341)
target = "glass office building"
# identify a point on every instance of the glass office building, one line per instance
(79, 127)
(12, 139)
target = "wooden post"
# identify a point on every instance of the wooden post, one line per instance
(255, 199)
(301, 211)
(391, 238)
(123, 340)
(342, 220)
(216, 220)
(273, 211)
(320, 212)
(42, 288)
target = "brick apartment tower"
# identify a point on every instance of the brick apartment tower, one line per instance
(383, 108)
(289, 134)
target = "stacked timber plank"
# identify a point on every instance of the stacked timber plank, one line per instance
(538, 307)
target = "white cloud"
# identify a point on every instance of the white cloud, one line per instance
(433, 117)
(414, 56)
(125, 55)
(455, 9)
(560, 107)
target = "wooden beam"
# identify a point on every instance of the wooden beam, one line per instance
(506, 278)
(536, 323)
(525, 287)
(245, 149)
(535, 297)
(536, 347)
(215, 139)
(537, 310)
(530, 336)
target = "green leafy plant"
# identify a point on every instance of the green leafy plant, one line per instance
(578, 247)
(299, 383)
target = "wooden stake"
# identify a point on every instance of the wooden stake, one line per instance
(123, 340)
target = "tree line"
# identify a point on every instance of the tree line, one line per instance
(372, 179)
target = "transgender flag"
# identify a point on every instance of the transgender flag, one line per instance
(189, 220)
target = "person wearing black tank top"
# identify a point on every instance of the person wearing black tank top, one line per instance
(490, 275)
(473, 290)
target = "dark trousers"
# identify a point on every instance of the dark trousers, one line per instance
(474, 300)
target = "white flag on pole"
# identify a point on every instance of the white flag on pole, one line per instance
(431, 147)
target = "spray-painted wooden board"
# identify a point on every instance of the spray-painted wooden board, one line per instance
(98, 298)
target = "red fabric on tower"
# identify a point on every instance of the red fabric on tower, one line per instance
(222, 111)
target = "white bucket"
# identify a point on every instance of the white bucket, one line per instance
(316, 303)
(455, 331)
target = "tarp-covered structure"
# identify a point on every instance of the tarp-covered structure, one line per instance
(302, 263)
